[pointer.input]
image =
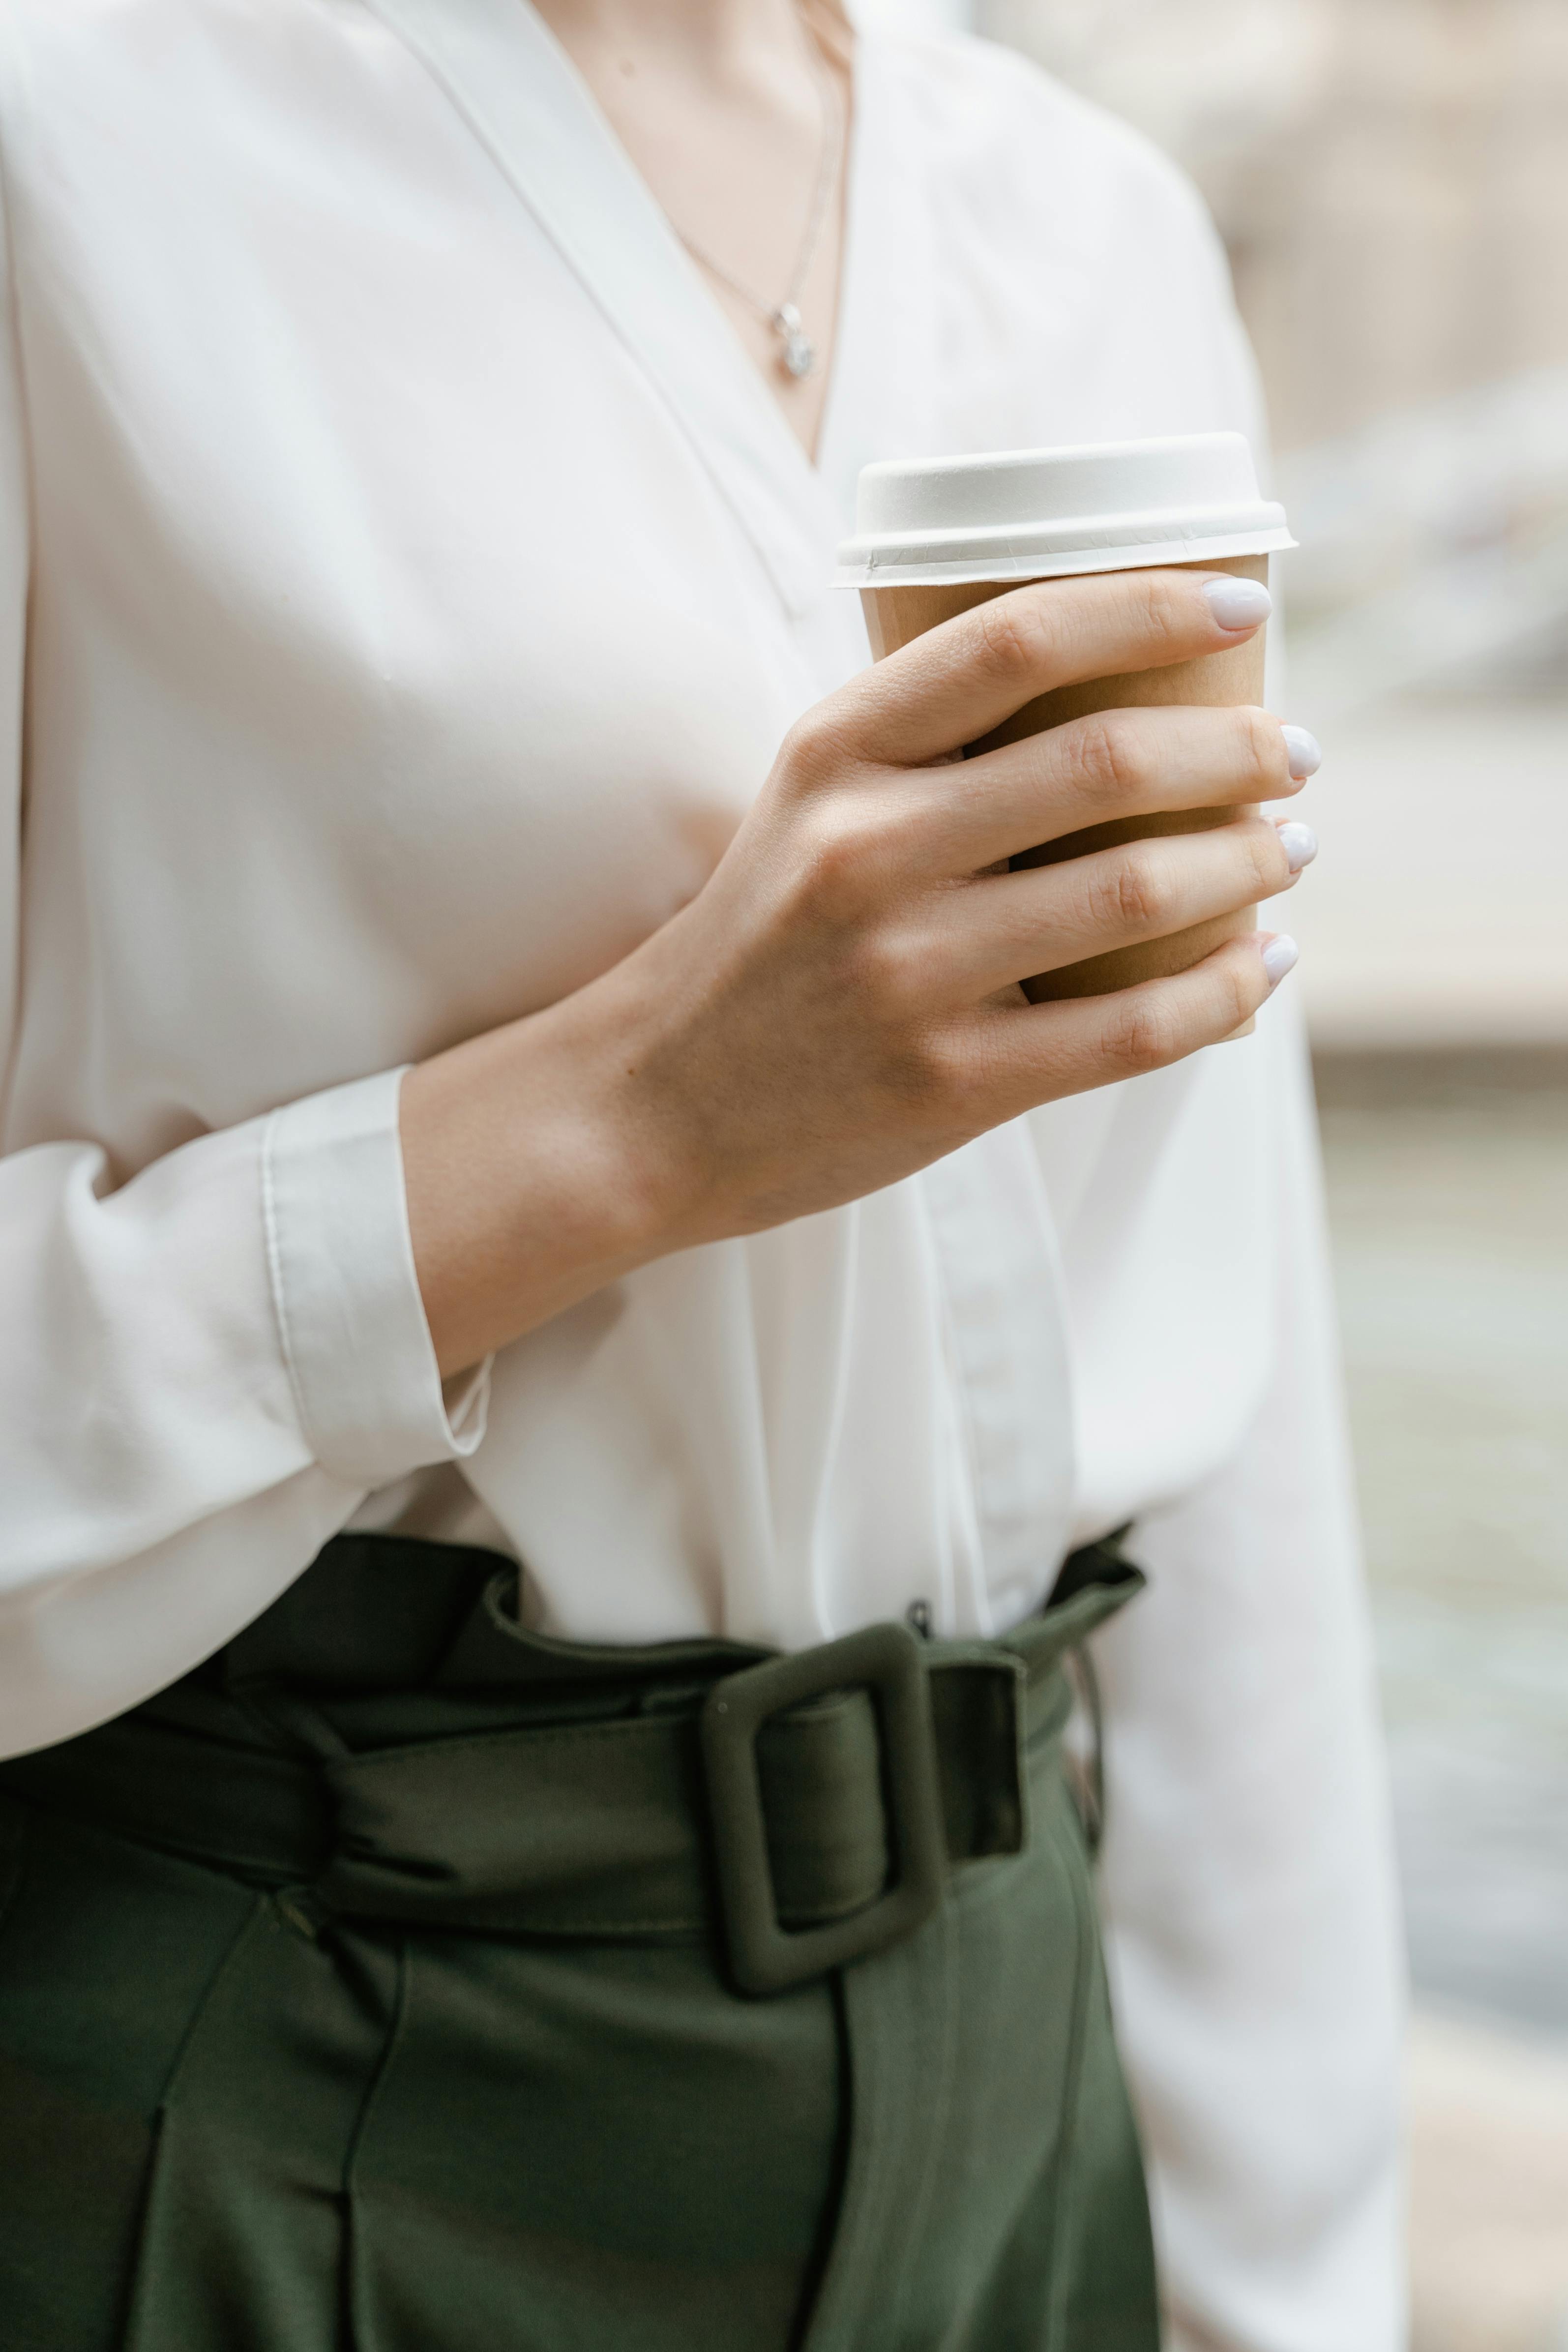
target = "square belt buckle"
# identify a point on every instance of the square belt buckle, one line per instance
(886, 1660)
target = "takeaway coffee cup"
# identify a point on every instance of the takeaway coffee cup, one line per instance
(935, 536)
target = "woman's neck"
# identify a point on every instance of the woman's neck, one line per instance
(730, 109)
(711, 35)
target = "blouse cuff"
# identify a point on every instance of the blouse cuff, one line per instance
(363, 1370)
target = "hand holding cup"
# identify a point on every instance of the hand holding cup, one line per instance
(845, 1000)
(848, 996)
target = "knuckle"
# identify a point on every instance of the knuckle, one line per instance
(819, 751)
(810, 751)
(1113, 759)
(1013, 638)
(889, 971)
(840, 859)
(1263, 750)
(933, 1071)
(1140, 890)
(1143, 1033)
(953, 1077)
(1167, 607)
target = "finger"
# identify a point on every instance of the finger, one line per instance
(960, 680)
(1037, 1053)
(1113, 764)
(1003, 928)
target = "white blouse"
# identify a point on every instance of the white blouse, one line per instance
(406, 581)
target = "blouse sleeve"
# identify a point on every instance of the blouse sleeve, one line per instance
(202, 1370)
(1249, 1880)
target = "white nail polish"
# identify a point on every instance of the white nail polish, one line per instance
(1306, 752)
(1238, 603)
(1300, 843)
(1280, 955)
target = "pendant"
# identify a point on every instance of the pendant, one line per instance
(800, 352)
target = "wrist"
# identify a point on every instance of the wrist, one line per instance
(570, 1110)
(532, 1179)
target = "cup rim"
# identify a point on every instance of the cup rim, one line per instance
(887, 566)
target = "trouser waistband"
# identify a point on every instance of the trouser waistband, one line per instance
(807, 1808)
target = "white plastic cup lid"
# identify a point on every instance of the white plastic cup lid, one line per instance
(1038, 514)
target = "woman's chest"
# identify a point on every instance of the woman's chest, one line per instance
(374, 575)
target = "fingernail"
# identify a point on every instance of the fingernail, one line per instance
(1280, 955)
(1305, 751)
(1300, 843)
(1238, 603)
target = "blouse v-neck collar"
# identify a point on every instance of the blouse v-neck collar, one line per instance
(531, 110)
(882, 400)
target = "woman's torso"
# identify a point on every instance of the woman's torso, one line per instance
(422, 584)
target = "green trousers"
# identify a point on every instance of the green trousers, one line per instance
(401, 1981)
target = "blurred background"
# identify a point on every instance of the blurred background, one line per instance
(1392, 179)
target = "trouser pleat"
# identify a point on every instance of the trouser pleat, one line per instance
(106, 1953)
(242, 2246)
(579, 2147)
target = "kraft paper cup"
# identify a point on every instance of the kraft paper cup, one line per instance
(936, 536)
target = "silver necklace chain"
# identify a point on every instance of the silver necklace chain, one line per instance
(797, 354)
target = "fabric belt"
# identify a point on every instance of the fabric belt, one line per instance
(809, 1807)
